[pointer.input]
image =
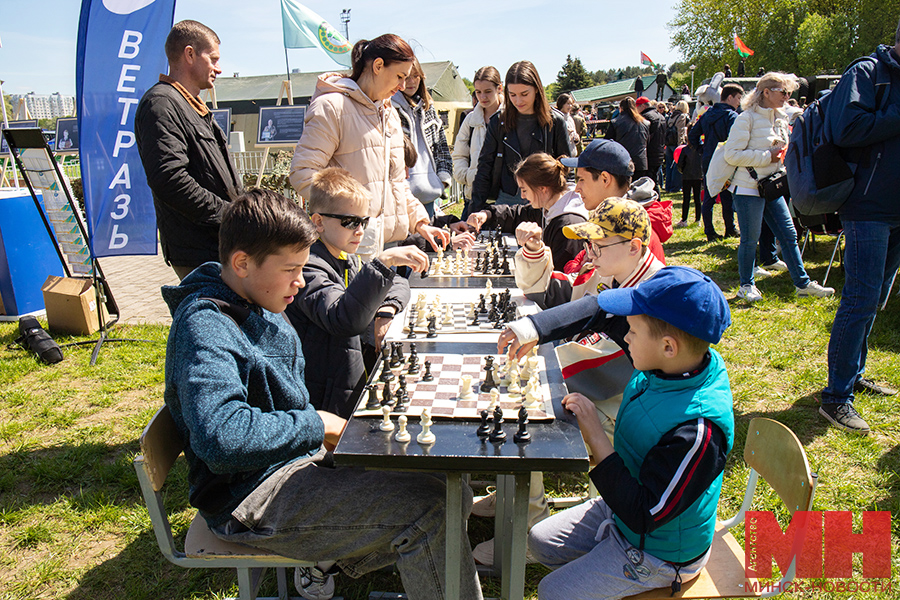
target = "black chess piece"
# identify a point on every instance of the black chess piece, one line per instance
(427, 376)
(486, 265)
(401, 382)
(413, 360)
(372, 403)
(475, 318)
(504, 268)
(385, 352)
(522, 436)
(400, 353)
(497, 434)
(432, 327)
(395, 356)
(493, 300)
(485, 428)
(386, 374)
(387, 398)
(412, 327)
(488, 384)
(482, 309)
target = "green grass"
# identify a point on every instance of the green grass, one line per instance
(73, 524)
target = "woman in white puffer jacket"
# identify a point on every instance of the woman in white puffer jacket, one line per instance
(756, 144)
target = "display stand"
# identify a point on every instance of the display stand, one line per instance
(64, 223)
(287, 89)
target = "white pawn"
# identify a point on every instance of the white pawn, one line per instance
(514, 390)
(495, 399)
(533, 366)
(513, 372)
(402, 434)
(503, 371)
(488, 287)
(471, 313)
(425, 436)
(533, 396)
(386, 424)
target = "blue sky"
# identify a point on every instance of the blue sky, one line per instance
(39, 36)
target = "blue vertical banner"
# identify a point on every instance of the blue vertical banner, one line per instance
(120, 56)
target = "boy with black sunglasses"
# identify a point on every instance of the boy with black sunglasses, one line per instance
(346, 306)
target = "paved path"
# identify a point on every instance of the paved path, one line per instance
(135, 283)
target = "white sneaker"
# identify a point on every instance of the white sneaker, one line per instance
(778, 265)
(681, 224)
(749, 293)
(313, 584)
(814, 289)
(485, 506)
(483, 554)
(760, 273)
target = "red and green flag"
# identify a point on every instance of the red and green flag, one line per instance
(645, 60)
(741, 47)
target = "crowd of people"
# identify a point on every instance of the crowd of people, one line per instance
(261, 397)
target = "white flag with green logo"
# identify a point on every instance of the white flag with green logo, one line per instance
(305, 29)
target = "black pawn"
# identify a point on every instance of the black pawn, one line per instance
(386, 398)
(522, 436)
(413, 353)
(485, 428)
(412, 327)
(372, 403)
(481, 307)
(427, 376)
(497, 434)
(401, 390)
(475, 318)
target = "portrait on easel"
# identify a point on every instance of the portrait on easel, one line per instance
(4, 148)
(280, 126)
(67, 136)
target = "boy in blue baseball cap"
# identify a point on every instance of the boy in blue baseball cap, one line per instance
(654, 522)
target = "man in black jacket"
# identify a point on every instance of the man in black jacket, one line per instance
(184, 151)
(656, 143)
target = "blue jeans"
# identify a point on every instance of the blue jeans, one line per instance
(365, 520)
(504, 198)
(592, 560)
(707, 207)
(750, 211)
(871, 259)
(429, 208)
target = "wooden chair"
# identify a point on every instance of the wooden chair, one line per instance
(160, 446)
(773, 451)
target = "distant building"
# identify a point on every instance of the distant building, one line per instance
(48, 106)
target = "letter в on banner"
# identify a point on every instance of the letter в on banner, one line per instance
(120, 56)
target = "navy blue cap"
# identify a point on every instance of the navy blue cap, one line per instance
(682, 297)
(603, 155)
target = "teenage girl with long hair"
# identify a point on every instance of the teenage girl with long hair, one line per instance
(470, 138)
(632, 131)
(525, 126)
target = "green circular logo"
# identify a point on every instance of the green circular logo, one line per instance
(332, 40)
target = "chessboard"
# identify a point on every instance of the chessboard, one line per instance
(431, 316)
(486, 259)
(448, 373)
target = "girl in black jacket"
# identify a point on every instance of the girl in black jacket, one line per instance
(525, 126)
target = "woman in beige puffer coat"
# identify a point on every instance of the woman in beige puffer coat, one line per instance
(351, 124)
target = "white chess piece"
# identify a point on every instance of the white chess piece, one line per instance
(513, 372)
(495, 399)
(471, 314)
(425, 436)
(503, 371)
(386, 424)
(448, 314)
(533, 395)
(465, 392)
(402, 434)
(533, 366)
(514, 390)
(488, 287)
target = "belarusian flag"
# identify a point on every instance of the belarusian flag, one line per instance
(741, 47)
(645, 60)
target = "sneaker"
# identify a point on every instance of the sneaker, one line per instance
(845, 417)
(864, 384)
(814, 289)
(485, 506)
(778, 265)
(483, 554)
(313, 584)
(749, 293)
(732, 233)
(681, 224)
(760, 273)
(715, 237)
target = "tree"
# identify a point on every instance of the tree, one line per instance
(572, 76)
(9, 107)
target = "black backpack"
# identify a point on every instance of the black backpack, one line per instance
(37, 340)
(672, 131)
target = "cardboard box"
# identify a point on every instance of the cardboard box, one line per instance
(71, 305)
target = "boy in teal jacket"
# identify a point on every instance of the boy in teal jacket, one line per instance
(654, 522)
